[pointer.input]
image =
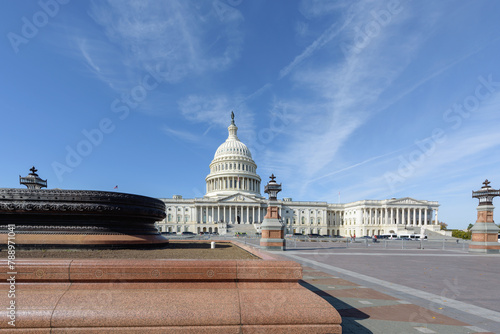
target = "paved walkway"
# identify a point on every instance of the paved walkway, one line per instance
(404, 291)
(365, 310)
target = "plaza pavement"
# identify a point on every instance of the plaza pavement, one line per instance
(381, 289)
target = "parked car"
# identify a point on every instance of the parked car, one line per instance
(388, 236)
(187, 233)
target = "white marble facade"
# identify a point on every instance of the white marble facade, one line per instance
(233, 197)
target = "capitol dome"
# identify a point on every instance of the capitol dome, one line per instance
(233, 170)
(232, 147)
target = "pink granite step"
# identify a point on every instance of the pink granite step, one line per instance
(175, 296)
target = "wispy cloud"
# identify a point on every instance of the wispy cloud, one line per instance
(317, 8)
(340, 97)
(435, 73)
(182, 135)
(214, 111)
(364, 162)
(333, 31)
(172, 38)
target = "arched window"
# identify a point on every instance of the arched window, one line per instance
(169, 217)
(303, 220)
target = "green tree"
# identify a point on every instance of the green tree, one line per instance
(461, 234)
(443, 225)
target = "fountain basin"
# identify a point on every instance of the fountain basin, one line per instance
(79, 218)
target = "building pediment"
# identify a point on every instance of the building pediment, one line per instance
(238, 198)
(406, 200)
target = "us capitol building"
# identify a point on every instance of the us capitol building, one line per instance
(233, 202)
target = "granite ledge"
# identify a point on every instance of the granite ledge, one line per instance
(159, 270)
(84, 306)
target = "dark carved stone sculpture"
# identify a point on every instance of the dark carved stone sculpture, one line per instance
(68, 218)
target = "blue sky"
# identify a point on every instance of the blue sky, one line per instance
(372, 99)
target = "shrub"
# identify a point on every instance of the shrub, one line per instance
(461, 234)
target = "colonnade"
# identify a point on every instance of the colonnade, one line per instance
(397, 216)
(303, 216)
(336, 217)
(233, 214)
(233, 183)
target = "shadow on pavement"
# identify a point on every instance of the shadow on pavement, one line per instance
(348, 313)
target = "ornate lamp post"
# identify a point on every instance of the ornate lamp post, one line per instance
(484, 231)
(273, 237)
(33, 181)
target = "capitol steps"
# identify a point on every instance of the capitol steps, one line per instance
(436, 235)
(241, 228)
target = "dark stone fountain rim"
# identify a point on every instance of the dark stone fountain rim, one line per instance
(14, 200)
(55, 218)
(79, 195)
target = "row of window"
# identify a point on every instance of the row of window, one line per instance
(178, 209)
(314, 230)
(229, 184)
(233, 166)
(244, 183)
(179, 218)
(303, 221)
(382, 210)
(234, 149)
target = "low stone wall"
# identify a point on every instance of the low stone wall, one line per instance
(158, 296)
